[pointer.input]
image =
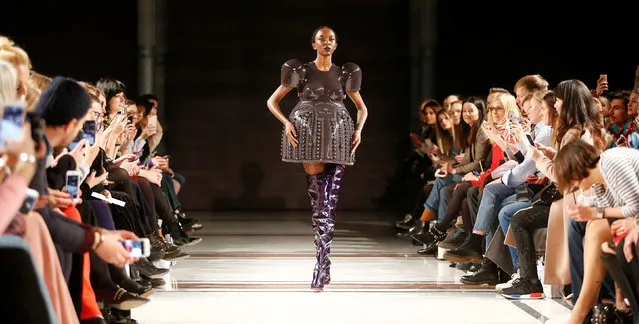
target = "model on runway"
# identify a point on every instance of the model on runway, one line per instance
(320, 134)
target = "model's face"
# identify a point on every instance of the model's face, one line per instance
(445, 121)
(497, 111)
(132, 110)
(456, 110)
(618, 111)
(521, 93)
(115, 103)
(429, 116)
(470, 113)
(535, 111)
(325, 42)
(448, 101)
(23, 77)
(633, 105)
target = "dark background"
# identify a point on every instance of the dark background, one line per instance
(222, 64)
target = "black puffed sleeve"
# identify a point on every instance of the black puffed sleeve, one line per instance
(292, 72)
(351, 77)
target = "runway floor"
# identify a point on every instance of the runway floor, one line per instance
(257, 268)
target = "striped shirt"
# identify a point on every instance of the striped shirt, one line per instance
(620, 170)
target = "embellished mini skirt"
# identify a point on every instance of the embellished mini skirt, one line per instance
(324, 133)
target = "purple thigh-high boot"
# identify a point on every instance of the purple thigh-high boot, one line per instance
(326, 191)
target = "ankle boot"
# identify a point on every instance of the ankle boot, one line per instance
(416, 229)
(470, 250)
(179, 236)
(157, 248)
(486, 275)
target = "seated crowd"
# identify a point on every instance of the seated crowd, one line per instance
(537, 179)
(62, 255)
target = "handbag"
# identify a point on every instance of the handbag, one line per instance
(526, 191)
(607, 314)
(547, 195)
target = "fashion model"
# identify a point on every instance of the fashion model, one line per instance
(319, 133)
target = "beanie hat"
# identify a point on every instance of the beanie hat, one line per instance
(63, 100)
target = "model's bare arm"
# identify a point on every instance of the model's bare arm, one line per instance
(273, 105)
(362, 114)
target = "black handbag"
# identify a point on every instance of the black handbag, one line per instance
(526, 191)
(607, 314)
(547, 195)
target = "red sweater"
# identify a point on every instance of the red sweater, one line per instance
(497, 157)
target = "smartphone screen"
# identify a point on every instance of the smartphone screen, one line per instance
(29, 201)
(88, 129)
(530, 140)
(73, 185)
(12, 121)
(76, 140)
(135, 247)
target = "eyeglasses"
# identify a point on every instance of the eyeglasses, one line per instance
(495, 109)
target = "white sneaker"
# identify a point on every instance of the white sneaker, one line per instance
(507, 284)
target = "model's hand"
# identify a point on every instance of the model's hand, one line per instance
(290, 132)
(357, 138)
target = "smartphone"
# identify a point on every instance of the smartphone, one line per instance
(123, 109)
(512, 117)
(87, 132)
(130, 119)
(530, 140)
(153, 121)
(138, 248)
(428, 142)
(12, 121)
(29, 201)
(89, 128)
(73, 183)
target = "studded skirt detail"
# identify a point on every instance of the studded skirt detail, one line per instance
(324, 133)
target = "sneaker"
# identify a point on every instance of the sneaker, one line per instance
(508, 283)
(524, 289)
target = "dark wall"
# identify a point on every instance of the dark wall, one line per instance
(68, 38)
(485, 44)
(222, 66)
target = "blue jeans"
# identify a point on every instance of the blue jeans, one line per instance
(436, 201)
(576, 234)
(504, 216)
(491, 201)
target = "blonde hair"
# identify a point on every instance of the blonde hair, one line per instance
(509, 103)
(39, 81)
(8, 81)
(33, 96)
(12, 53)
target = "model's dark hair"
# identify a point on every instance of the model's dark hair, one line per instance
(467, 134)
(574, 162)
(579, 111)
(110, 87)
(143, 102)
(320, 28)
(621, 94)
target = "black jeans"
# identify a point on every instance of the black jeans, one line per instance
(523, 224)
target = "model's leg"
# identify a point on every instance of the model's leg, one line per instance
(317, 183)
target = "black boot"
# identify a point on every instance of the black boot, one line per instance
(145, 267)
(186, 221)
(418, 227)
(158, 250)
(470, 250)
(405, 223)
(486, 275)
(432, 236)
(179, 236)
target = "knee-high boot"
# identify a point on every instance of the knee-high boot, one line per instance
(335, 174)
